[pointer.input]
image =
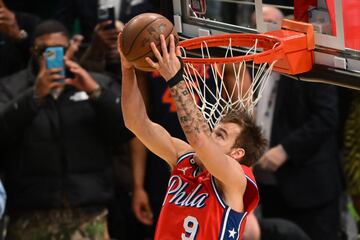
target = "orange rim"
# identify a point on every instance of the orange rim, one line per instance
(271, 46)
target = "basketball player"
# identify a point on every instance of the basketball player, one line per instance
(209, 193)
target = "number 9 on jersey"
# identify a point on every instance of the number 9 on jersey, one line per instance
(191, 227)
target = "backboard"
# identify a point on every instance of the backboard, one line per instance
(337, 35)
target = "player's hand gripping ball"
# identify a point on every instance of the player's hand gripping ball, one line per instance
(137, 35)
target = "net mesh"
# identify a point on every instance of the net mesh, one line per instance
(218, 88)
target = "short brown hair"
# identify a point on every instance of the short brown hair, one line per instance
(250, 138)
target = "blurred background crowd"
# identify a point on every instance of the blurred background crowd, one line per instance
(71, 170)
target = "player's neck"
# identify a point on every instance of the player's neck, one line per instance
(199, 164)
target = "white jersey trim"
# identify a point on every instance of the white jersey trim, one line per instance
(245, 214)
(217, 194)
(225, 223)
(250, 180)
(182, 157)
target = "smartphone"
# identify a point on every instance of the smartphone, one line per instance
(55, 58)
(106, 13)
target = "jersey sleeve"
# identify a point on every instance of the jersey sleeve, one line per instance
(251, 195)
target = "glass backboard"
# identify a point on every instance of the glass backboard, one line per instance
(337, 35)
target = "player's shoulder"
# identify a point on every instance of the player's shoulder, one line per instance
(249, 175)
(182, 147)
(251, 195)
(247, 171)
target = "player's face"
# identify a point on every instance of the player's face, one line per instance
(224, 135)
(48, 40)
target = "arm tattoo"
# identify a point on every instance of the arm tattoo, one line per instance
(190, 117)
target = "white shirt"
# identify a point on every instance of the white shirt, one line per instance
(264, 117)
(266, 105)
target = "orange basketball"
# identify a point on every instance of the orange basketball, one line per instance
(139, 32)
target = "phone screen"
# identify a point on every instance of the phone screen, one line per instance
(55, 58)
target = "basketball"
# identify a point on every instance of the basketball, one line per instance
(137, 35)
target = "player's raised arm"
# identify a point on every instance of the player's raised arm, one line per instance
(153, 136)
(196, 129)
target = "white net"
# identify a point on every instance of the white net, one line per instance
(218, 88)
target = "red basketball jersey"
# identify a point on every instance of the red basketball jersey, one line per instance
(194, 210)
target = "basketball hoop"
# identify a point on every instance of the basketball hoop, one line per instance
(289, 51)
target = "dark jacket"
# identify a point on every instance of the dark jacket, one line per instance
(59, 154)
(305, 123)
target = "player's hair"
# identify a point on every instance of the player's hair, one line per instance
(250, 138)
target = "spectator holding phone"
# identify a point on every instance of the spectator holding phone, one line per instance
(15, 33)
(100, 23)
(102, 53)
(58, 165)
(89, 12)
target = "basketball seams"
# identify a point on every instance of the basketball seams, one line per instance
(138, 33)
(158, 45)
(124, 31)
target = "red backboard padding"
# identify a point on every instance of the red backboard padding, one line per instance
(301, 8)
(351, 18)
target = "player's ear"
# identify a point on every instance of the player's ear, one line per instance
(237, 153)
